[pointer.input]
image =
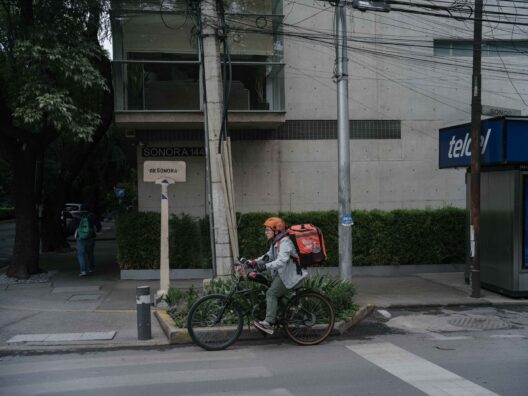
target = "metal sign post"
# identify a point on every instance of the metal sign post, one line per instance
(164, 173)
(164, 239)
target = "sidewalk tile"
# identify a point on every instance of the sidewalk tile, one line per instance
(27, 338)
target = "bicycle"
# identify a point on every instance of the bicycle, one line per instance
(215, 321)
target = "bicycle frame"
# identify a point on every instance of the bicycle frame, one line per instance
(295, 314)
(237, 290)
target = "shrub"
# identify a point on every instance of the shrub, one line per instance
(190, 247)
(138, 241)
(7, 213)
(253, 305)
(179, 304)
(341, 293)
(402, 236)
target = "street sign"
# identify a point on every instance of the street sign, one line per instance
(164, 173)
(156, 170)
(496, 111)
(119, 192)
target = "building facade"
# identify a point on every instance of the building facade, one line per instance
(409, 76)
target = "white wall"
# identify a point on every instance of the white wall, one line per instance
(400, 83)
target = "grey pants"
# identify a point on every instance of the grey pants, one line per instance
(275, 291)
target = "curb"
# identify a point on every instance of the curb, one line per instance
(39, 349)
(177, 335)
(342, 326)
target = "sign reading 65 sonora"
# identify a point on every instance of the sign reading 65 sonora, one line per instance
(157, 170)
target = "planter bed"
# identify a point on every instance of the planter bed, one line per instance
(177, 335)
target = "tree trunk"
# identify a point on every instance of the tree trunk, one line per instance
(26, 250)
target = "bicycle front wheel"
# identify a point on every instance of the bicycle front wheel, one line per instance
(214, 322)
(308, 318)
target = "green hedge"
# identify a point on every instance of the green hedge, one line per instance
(138, 241)
(403, 236)
(7, 213)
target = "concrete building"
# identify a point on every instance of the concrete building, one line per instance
(409, 76)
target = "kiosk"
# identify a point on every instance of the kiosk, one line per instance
(503, 197)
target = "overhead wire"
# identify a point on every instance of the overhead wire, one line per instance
(404, 85)
(509, 78)
(323, 39)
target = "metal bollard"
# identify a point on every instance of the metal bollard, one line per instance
(143, 312)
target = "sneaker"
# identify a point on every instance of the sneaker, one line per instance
(264, 326)
(83, 274)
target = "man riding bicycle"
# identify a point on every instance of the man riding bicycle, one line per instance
(280, 260)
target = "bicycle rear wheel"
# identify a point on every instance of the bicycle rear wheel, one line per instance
(309, 318)
(214, 322)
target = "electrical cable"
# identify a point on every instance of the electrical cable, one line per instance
(325, 41)
(227, 77)
(163, 18)
(508, 74)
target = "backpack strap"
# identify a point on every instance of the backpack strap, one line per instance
(296, 259)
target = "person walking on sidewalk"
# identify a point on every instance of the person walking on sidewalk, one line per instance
(280, 261)
(86, 228)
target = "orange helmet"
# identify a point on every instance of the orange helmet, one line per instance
(275, 223)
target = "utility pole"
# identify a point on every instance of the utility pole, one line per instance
(343, 143)
(476, 110)
(213, 111)
(343, 130)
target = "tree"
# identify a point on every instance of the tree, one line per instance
(55, 81)
(112, 157)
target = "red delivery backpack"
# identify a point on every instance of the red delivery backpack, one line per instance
(309, 243)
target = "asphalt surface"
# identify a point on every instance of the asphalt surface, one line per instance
(70, 309)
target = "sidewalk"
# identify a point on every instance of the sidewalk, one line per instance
(60, 311)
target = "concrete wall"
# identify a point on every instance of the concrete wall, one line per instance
(301, 175)
(404, 83)
(188, 197)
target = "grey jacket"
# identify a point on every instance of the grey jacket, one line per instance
(280, 262)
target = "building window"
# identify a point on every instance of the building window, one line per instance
(157, 61)
(489, 48)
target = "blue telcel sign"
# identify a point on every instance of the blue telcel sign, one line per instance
(517, 140)
(455, 144)
(503, 140)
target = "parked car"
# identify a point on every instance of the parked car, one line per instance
(68, 213)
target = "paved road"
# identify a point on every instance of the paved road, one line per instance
(385, 355)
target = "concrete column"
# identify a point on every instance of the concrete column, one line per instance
(213, 110)
(343, 139)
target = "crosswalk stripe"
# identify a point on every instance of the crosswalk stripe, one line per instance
(253, 392)
(137, 379)
(438, 337)
(418, 372)
(9, 369)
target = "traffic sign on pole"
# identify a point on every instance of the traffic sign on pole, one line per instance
(164, 173)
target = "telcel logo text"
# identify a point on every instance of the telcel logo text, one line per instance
(462, 147)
